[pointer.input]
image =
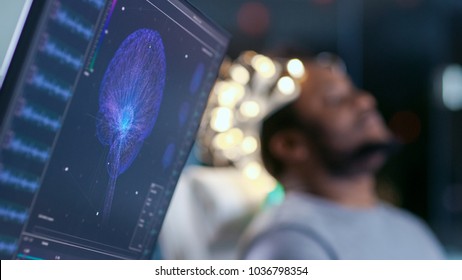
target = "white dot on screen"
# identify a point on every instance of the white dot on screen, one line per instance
(123, 8)
(66, 168)
(106, 31)
(186, 56)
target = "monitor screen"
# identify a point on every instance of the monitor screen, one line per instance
(101, 117)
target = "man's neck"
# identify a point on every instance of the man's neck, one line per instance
(349, 191)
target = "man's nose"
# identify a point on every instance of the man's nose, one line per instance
(365, 100)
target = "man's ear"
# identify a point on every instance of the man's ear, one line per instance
(289, 146)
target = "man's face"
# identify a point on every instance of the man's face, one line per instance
(349, 133)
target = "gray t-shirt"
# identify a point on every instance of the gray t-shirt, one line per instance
(308, 227)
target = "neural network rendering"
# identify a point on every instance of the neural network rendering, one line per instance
(129, 102)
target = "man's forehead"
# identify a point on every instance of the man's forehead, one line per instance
(320, 83)
(316, 71)
(319, 78)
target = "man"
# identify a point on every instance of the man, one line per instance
(325, 148)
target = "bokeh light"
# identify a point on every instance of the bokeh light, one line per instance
(252, 170)
(286, 85)
(264, 66)
(229, 93)
(295, 68)
(222, 119)
(239, 74)
(250, 109)
(452, 87)
(249, 145)
(253, 18)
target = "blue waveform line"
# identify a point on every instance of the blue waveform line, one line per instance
(30, 113)
(9, 178)
(11, 214)
(67, 20)
(50, 86)
(27, 257)
(54, 50)
(96, 3)
(8, 247)
(21, 147)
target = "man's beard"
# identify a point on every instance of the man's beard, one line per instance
(353, 162)
(356, 162)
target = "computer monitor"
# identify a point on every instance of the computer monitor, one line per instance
(100, 108)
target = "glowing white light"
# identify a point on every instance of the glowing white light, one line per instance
(286, 85)
(250, 109)
(222, 119)
(231, 154)
(66, 168)
(220, 141)
(239, 74)
(264, 66)
(295, 68)
(452, 87)
(247, 56)
(252, 170)
(249, 144)
(236, 135)
(229, 93)
(229, 139)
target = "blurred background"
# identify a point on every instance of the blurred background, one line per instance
(406, 52)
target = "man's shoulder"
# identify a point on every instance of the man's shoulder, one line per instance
(281, 233)
(332, 231)
(287, 226)
(403, 216)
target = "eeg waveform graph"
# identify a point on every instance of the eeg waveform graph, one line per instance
(28, 149)
(59, 52)
(12, 213)
(39, 117)
(7, 247)
(72, 22)
(50, 86)
(129, 102)
(10, 178)
(99, 4)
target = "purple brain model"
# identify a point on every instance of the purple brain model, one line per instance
(129, 102)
